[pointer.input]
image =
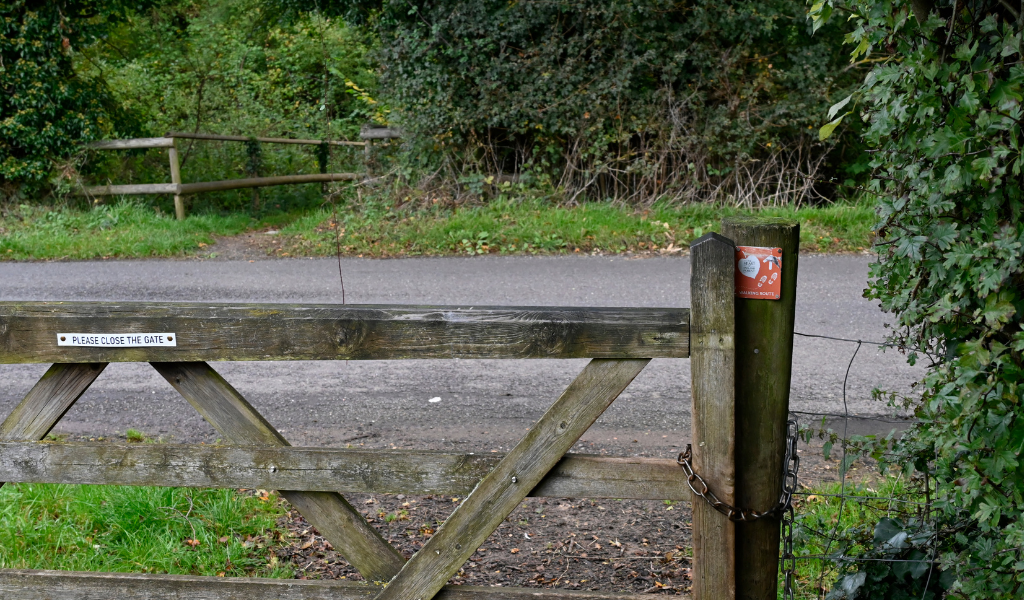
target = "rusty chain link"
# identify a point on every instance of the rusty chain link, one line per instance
(783, 510)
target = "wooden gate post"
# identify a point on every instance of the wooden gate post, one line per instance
(713, 367)
(179, 202)
(764, 357)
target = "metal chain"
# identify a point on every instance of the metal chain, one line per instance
(783, 510)
(787, 562)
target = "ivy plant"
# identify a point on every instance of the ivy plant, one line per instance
(46, 109)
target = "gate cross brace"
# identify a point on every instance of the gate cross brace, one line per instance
(48, 400)
(501, 490)
(337, 520)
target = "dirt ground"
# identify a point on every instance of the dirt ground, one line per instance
(629, 546)
(638, 546)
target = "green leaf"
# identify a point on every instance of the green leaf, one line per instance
(886, 529)
(838, 106)
(826, 131)
(998, 308)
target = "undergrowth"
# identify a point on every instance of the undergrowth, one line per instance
(122, 230)
(836, 527)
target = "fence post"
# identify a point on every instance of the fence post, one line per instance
(764, 353)
(713, 365)
(179, 203)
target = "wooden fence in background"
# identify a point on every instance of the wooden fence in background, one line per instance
(178, 189)
(740, 351)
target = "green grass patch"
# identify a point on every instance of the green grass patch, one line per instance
(140, 530)
(129, 229)
(533, 227)
(122, 230)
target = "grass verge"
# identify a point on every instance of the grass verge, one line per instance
(140, 530)
(129, 229)
(122, 230)
(506, 227)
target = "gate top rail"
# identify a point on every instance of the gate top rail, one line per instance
(29, 332)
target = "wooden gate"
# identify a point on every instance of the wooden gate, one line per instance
(179, 340)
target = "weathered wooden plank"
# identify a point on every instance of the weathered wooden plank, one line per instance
(338, 521)
(28, 331)
(48, 400)
(69, 585)
(379, 133)
(255, 182)
(128, 190)
(348, 471)
(52, 396)
(267, 140)
(159, 142)
(501, 490)
(764, 346)
(713, 368)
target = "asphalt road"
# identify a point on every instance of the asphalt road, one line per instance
(484, 404)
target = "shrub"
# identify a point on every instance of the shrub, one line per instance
(612, 98)
(942, 112)
(47, 109)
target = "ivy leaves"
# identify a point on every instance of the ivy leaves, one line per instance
(46, 109)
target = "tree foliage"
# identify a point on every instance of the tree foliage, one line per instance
(235, 67)
(942, 112)
(46, 109)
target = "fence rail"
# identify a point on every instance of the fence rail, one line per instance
(350, 471)
(179, 189)
(265, 140)
(29, 332)
(47, 585)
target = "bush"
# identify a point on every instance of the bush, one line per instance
(613, 99)
(47, 109)
(942, 111)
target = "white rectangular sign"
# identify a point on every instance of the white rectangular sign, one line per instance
(117, 340)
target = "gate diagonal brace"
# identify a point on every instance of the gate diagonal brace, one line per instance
(501, 490)
(337, 520)
(48, 401)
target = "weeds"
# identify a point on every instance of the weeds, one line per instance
(843, 527)
(123, 230)
(135, 436)
(505, 226)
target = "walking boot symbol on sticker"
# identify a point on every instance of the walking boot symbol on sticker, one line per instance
(758, 272)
